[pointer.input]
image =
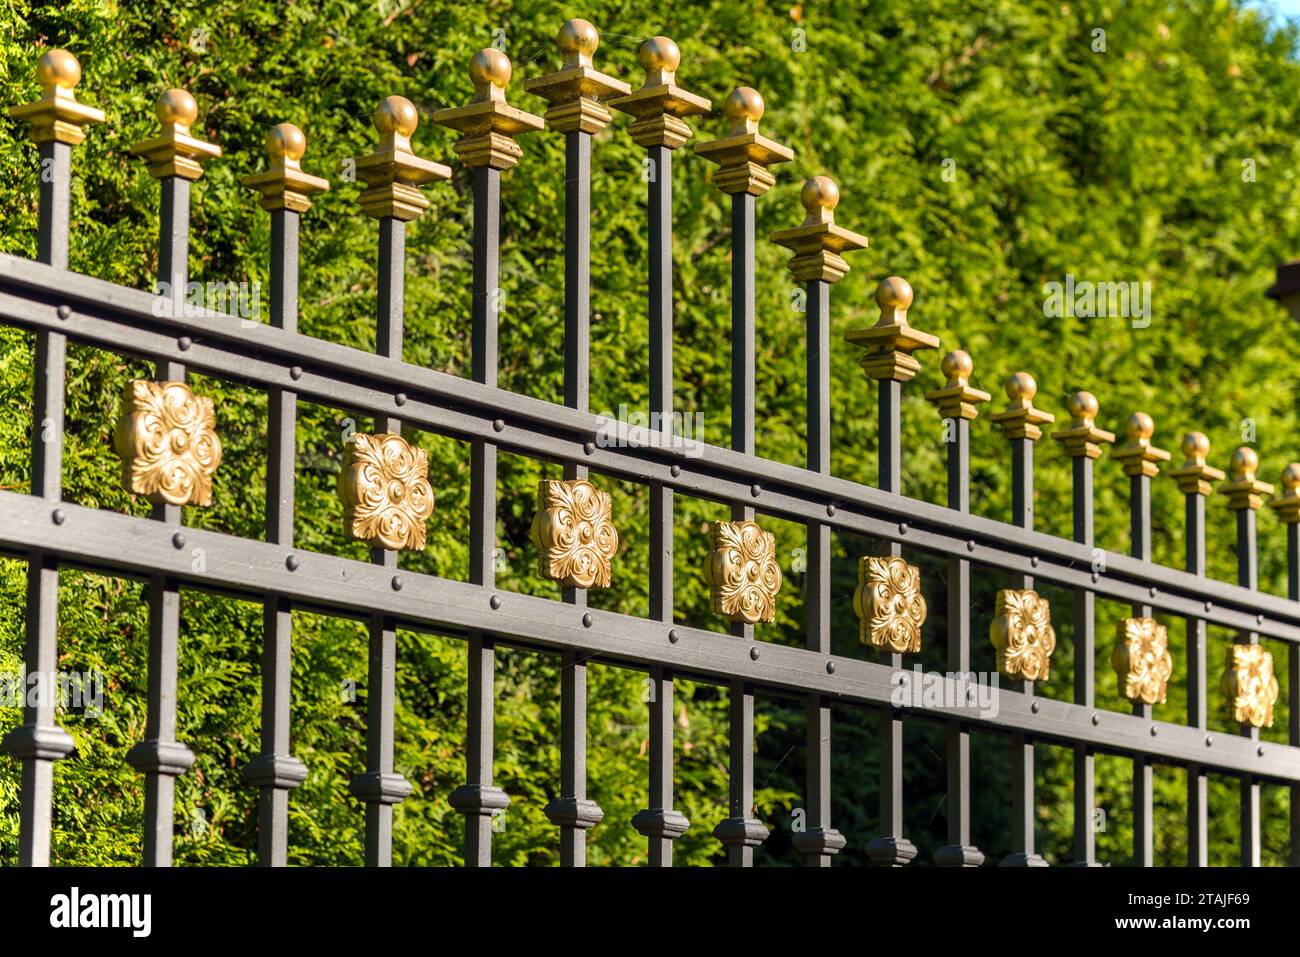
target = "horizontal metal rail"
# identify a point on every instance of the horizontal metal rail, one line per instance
(37, 296)
(84, 537)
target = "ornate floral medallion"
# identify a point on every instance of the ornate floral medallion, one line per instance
(574, 533)
(168, 443)
(1023, 634)
(1142, 661)
(385, 491)
(742, 572)
(1250, 685)
(888, 603)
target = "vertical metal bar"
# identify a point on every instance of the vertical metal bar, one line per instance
(1143, 769)
(1085, 646)
(659, 822)
(1198, 794)
(1023, 853)
(890, 848)
(959, 851)
(571, 810)
(1247, 577)
(478, 799)
(274, 772)
(740, 832)
(38, 742)
(381, 786)
(820, 842)
(159, 756)
(1293, 674)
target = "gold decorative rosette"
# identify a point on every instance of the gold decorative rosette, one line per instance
(888, 604)
(574, 533)
(385, 491)
(742, 572)
(1023, 634)
(1250, 685)
(167, 440)
(1142, 661)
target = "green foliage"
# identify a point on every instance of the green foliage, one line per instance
(1118, 165)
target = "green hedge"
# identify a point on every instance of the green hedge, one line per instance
(986, 148)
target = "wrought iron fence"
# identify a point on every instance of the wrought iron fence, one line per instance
(171, 450)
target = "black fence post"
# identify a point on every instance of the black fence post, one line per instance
(56, 121)
(658, 107)
(957, 403)
(175, 160)
(487, 146)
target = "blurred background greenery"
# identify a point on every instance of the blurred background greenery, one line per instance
(1120, 160)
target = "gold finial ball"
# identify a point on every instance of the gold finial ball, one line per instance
(176, 106)
(286, 140)
(1245, 461)
(396, 114)
(660, 53)
(1140, 426)
(820, 192)
(1021, 386)
(577, 36)
(744, 103)
(1196, 445)
(490, 65)
(1291, 477)
(957, 364)
(894, 293)
(58, 68)
(1083, 405)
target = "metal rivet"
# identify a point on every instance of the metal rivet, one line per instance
(184, 343)
(970, 545)
(970, 694)
(1154, 730)
(1096, 718)
(291, 563)
(58, 516)
(1209, 740)
(675, 471)
(756, 490)
(1209, 606)
(902, 528)
(498, 425)
(397, 583)
(1259, 619)
(178, 540)
(830, 667)
(495, 602)
(673, 636)
(295, 373)
(1034, 561)
(589, 448)
(1260, 750)
(64, 311)
(400, 398)
(1034, 707)
(830, 509)
(1154, 591)
(753, 654)
(586, 620)
(1096, 576)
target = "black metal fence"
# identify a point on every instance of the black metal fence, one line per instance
(170, 451)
